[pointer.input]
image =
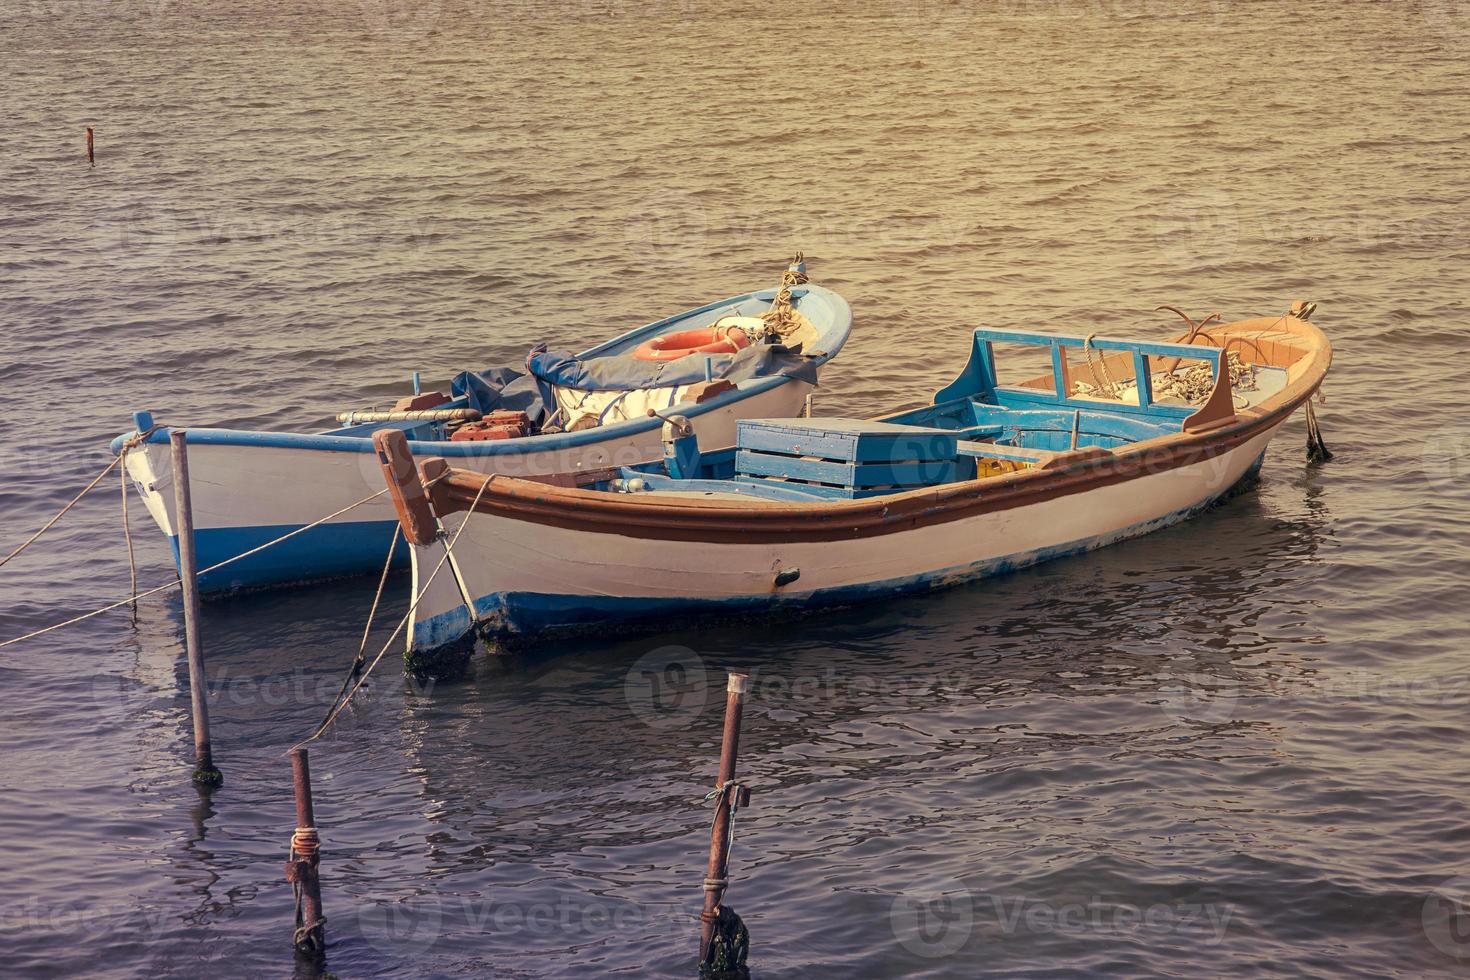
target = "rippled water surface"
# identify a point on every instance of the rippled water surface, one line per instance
(1237, 747)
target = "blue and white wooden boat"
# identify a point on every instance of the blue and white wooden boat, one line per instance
(1119, 438)
(249, 488)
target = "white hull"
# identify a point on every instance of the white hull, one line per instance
(247, 494)
(512, 576)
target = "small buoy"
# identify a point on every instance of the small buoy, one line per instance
(91, 156)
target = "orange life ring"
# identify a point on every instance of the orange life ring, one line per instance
(705, 340)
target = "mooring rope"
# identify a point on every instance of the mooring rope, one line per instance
(378, 596)
(177, 582)
(357, 661)
(413, 606)
(132, 443)
(128, 537)
(732, 789)
(305, 845)
(1317, 451)
(730, 944)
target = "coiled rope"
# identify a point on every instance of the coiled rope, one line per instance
(781, 318)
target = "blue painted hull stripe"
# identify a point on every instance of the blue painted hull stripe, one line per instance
(327, 551)
(475, 448)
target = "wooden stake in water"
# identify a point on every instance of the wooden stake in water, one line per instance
(729, 796)
(91, 156)
(205, 774)
(303, 868)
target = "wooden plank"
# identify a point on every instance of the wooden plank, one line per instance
(822, 490)
(575, 478)
(847, 474)
(851, 440)
(1030, 397)
(1156, 348)
(1018, 453)
(1143, 379)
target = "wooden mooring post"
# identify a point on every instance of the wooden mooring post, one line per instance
(205, 773)
(723, 940)
(303, 867)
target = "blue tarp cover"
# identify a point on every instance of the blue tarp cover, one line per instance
(529, 391)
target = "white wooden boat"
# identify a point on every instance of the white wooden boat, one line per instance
(591, 410)
(989, 478)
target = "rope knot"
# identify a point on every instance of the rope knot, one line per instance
(305, 842)
(136, 439)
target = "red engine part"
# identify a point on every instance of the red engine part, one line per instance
(480, 432)
(496, 425)
(417, 403)
(519, 420)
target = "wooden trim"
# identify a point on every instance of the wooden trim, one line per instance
(405, 487)
(1219, 408)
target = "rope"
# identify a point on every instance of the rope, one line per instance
(1194, 385)
(51, 523)
(305, 843)
(412, 607)
(367, 629)
(133, 442)
(177, 582)
(730, 941)
(720, 793)
(305, 846)
(1109, 388)
(128, 537)
(723, 333)
(1317, 451)
(304, 929)
(382, 580)
(781, 318)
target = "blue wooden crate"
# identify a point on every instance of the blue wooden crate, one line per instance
(843, 473)
(847, 457)
(854, 440)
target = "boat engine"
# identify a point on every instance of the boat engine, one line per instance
(496, 425)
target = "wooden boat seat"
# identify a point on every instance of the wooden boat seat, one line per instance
(1019, 454)
(1042, 459)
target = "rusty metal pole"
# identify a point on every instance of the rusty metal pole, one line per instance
(303, 869)
(719, 841)
(205, 773)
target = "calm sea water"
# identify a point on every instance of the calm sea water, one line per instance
(1235, 748)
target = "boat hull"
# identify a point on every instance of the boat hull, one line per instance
(511, 577)
(249, 491)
